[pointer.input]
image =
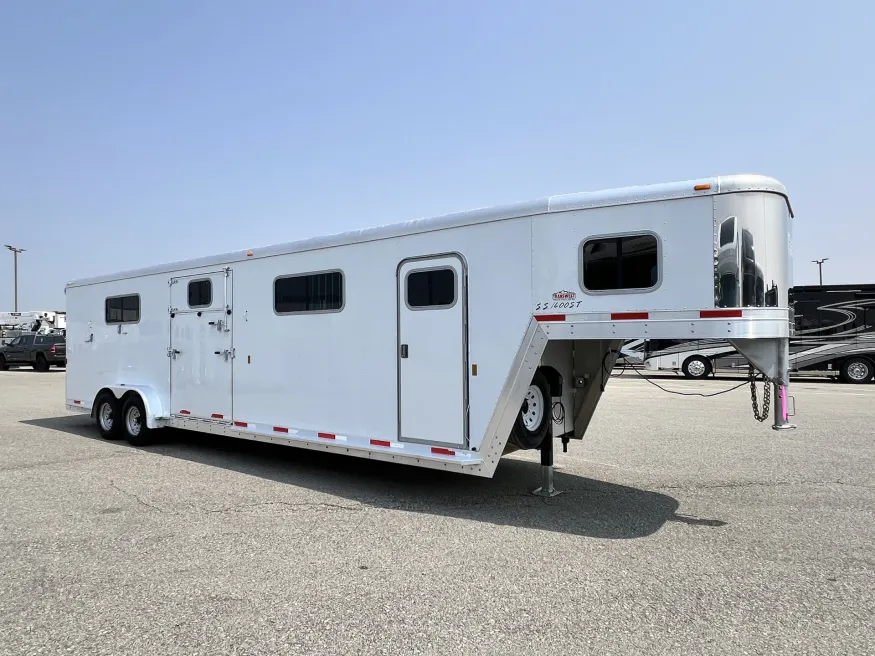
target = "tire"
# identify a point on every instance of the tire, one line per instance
(696, 367)
(134, 422)
(857, 370)
(40, 364)
(4, 366)
(533, 421)
(108, 414)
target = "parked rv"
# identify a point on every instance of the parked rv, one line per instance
(441, 342)
(834, 334)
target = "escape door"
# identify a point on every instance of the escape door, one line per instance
(432, 351)
(201, 346)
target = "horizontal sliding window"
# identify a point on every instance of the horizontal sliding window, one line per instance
(310, 292)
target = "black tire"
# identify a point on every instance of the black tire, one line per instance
(3, 364)
(142, 434)
(40, 364)
(696, 367)
(110, 426)
(857, 370)
(530, 437)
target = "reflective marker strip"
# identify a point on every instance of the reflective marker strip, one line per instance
(184, 412)
(629, 316)
(280, 429)
(442, 452)
(550, 317)
(327, 436)
(381, 443)
(216, 415)
(241, 424)
(720, 314)
(76, 402)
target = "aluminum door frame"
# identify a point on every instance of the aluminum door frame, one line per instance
(227, 315)
(463, 297)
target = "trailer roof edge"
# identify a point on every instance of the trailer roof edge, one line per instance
(558, 203)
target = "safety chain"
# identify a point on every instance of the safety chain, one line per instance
(767, 395)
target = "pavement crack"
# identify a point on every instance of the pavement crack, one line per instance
(728, 486)
(65, 461)
(303, 505)
(138, 499)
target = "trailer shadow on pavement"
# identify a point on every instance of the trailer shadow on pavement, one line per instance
(586, 507)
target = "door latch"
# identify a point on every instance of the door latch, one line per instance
(404, 350)
(227, 353)
(172, 352)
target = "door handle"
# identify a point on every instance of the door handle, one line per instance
(404, 350)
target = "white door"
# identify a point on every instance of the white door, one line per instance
(432, 351)
(201, 346)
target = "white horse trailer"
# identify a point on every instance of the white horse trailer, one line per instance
(442, 342)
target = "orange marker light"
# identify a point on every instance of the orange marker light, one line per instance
(702, 187)
(249, 254)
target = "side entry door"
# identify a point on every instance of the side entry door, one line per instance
(432, 351)
(201, 346)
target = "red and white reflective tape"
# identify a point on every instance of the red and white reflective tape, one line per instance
(550, 317)
(184, 412)
(441, 451)
(75, 402)
(216, 415)
(241, 424)
(720, 314)
(280, 429)
(327, 436)
(630, 316)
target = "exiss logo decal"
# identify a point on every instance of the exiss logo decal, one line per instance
(562, 300)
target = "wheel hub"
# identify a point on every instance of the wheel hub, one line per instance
(133, 421)
(696, 368)
(106, 417)
(858, 371)
(533, 408)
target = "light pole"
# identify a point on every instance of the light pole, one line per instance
(819, 264)
(15, 252)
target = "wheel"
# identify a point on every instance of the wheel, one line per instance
(533, 421)
(696, 366)
(41, 364)
(134, 421)
(3, 365)
(856, 370)
(107, 413)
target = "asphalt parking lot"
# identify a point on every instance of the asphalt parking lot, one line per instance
(685, 527)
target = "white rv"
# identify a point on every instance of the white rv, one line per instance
(442, 342)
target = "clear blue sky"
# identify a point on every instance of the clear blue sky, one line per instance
(133, 133)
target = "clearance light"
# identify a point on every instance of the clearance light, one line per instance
(702, 187)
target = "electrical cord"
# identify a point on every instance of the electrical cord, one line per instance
(657, 385)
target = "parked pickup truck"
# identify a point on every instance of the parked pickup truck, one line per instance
(37, 351)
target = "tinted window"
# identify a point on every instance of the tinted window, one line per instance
(39, 340)
(123, 309)
(200, 293)
(315, 292)
(27, 340)
(620, 263)
(432, 288)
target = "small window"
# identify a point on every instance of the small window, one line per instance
(432, 288)
(123, 309)
(620, 263)
(313, 292)
(200, 293)
(40, 340)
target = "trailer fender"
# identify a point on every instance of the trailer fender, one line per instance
(151, 401)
